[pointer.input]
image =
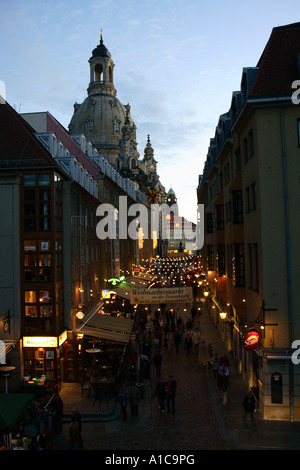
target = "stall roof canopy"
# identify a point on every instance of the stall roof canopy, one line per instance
(12, 406)
(131, 282)
(108, 327)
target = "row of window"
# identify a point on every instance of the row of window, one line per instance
(241, 156)
(89, 126)
(38, 260)
(231, 211)
(233, 263)
(38, 203)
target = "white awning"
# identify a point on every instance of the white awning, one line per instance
(108, 327)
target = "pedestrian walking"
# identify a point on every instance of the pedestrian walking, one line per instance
(225, 369)
(75, 434)
(177, 339)
(171, 387)
(57, 414)
(123, 400)
(157, 361)
(170, 339)
(223, 386)
(196, 337)
(224, 361)
(160, 393)
(134, 396)
(215, 361)
(188, 342)
(203, 354)
(77, 416)
(249, 409)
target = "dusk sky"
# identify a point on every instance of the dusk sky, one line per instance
(177, 63)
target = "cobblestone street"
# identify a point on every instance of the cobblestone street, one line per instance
(194, 425)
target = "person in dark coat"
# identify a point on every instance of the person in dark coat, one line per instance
(223, 386)
(123, 400)
(75, 433)
(177, 339)
(58, 411)
(171, 387)
(134, 396)
(160, 393)
(157, 360)
(249, 408)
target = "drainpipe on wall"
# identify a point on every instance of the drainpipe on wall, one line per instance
(287, 232)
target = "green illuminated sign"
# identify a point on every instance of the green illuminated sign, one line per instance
(114, 280)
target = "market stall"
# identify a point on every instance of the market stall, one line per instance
(12, 408)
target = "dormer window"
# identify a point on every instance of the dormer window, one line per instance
(116, 126)
(89, 127)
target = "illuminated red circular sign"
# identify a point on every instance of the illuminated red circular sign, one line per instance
(251, 340)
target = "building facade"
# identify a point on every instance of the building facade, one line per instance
(108, 125)
(250, 188)
(52, 184)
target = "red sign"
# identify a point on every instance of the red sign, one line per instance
(251, 340)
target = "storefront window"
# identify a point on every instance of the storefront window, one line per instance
(30, 260)
(29, 245)
(45, 296)
(45, 260)
(29, 180)
(46, 311)
(44, 180)
(38, 304)
(30, 311)
(45, 245)
(30, 296)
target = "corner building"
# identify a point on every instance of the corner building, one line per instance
(250, 189)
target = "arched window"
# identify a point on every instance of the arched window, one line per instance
(98, 73)
(110, 74)
(116, 126)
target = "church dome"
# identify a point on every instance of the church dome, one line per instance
(101, 50)
(101, 116)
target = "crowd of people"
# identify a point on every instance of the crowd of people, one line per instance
(129, 395)
(172, 332)
(39, 425)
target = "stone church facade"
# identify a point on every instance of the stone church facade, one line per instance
(108, 125)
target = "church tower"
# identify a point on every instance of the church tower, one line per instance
(101, 116)
(172, 202)
(101, 71)
(150, 162)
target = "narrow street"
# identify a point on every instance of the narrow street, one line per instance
(194, 426)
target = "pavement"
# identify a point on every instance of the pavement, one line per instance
(201, 422)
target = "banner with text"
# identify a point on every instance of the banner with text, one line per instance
(161, 295)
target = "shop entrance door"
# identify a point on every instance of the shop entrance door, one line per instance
(73, 361)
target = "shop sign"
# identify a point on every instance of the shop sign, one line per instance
(161, 295)
(107, 293)
(62, 338)
(251, 341)
(39, 341)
